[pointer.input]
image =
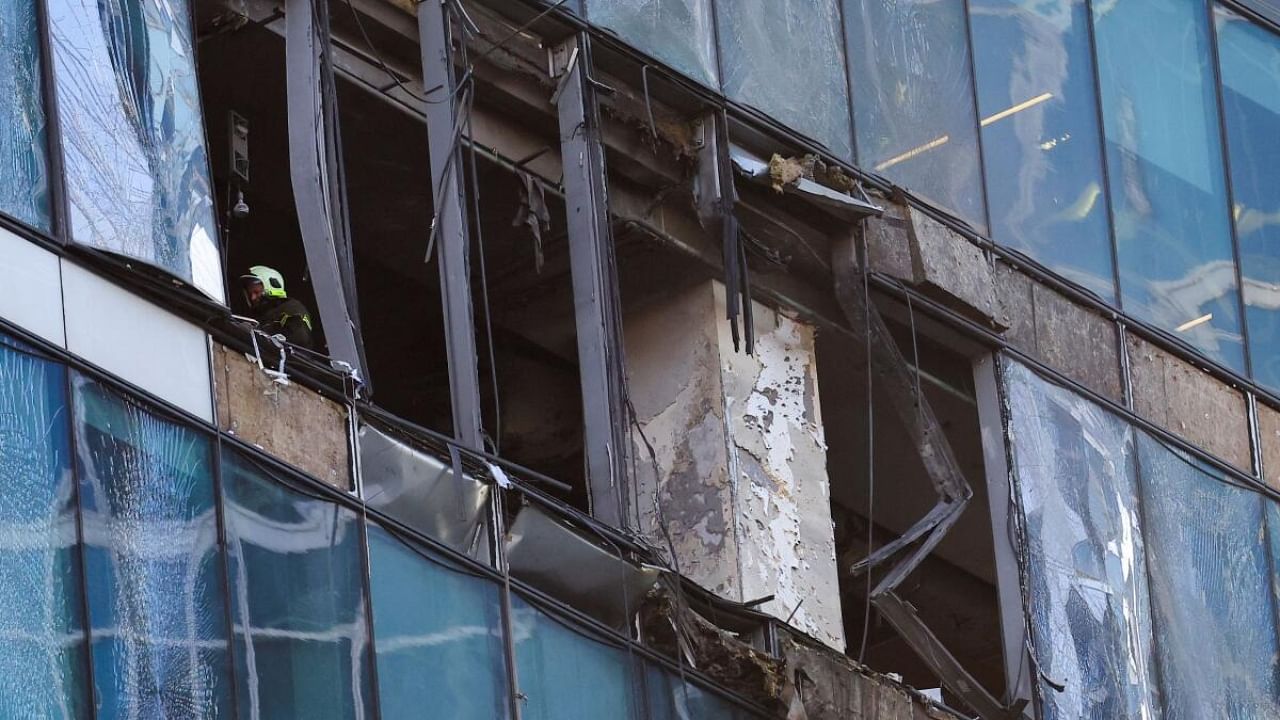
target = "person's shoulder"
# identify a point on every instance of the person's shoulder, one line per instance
(293, 306)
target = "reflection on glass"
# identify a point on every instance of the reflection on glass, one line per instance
(1040, 136)
(439, 635)
(24, 183)
(132, 134)
(1211, 597)
(678, 32)
(1091, 629)
(1250, 62)
(786, 59)
(913, 99)
(565, 675)
(42, 660)
(153, 563)
(297, 604)
(1164, 156)
(671, 698)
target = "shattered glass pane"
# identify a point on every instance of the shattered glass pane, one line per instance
(154, 569)
(297, 601)
(1040, 136)
(1210, 591)
(439, 635)
(913, 99)
(566, 675)
(133, 136)
(1249, 56)
(24, 192)
(1167, 181)
(671, 698)
(677, 32)
(786, 59)
(1074, 471)
(42, 657)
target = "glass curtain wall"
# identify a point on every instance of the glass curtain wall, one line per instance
(1040, 137)
(680, 33)
(132, 132)
(1151, 579)
(24, 178)
(1250, 67)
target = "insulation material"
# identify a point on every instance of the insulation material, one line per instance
(24, 194)
(565, 674)
(439, 631)
(421, 491)
(678, 32)
(1214, 615)
(913, 99)
(133, 136)
(1074, 477)
(42, 655)
(153, 566)
(557, 560)
(301, 644)
(786, 59)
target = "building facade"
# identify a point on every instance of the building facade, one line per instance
(675, 359)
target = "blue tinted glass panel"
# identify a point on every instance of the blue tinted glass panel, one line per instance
(786, 59)
(565, 675)
(133, 136)
(42, 654)
(1164, 156)
(1040, 137)
(439, 635)
(1074, 471)
(678, 32)
(297, 601)
(913, 99)
(1250, 61)
(671, 698)
(1211, 591)
(24, 182)
(154, 568)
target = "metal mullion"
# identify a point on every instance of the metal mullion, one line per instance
(219, 498)
(81, 545)
(366, 592)
(59, 205)
(1143, 527)
(977, 124)
(1116, 294)
(1229, 186)
(847, 47)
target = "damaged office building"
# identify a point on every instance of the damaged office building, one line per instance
(668, 359)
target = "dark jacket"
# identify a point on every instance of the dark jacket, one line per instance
(285, 316)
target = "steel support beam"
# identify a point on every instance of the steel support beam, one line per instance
(314, 173)
(449, 225)
(595, 282)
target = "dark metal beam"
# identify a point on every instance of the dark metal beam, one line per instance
(312, 163)
(449, 226)
(595, 282)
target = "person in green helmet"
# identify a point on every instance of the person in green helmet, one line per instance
(275, 311)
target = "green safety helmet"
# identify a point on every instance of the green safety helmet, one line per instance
(271, 279)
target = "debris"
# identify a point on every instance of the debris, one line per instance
(533, 213)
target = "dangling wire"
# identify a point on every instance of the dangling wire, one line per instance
(871, 438)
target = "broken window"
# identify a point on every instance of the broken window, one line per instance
(41, 674)
(133, 135)
(913, 100)
(1250, 60)
(153, 564)
(297, 602)
(439, 634)
(24, 194)
(786, 58)
(1041, 142)
(671, 697)
(1165, 161)
(678, 32)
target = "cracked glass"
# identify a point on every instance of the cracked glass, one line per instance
(42, 655)
(153, 563)
(133, 143)
(786, 59)
(680, 33)
(24, 192)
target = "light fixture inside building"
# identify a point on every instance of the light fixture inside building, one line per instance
(1016, 108)
(1195, 323)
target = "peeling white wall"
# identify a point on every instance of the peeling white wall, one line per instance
(741, 475)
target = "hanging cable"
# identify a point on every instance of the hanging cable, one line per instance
(871, 437)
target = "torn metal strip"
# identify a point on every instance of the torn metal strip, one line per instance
(891, 369)
(844, 204)
(311, 163)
